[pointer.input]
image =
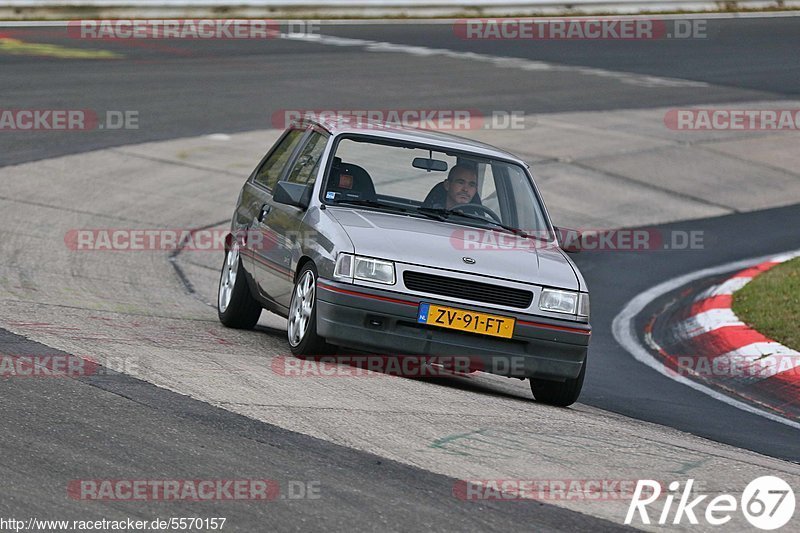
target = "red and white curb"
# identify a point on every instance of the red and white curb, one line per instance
(731, 343)
(712, 323)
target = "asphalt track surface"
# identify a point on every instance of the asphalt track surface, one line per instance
(185, 89)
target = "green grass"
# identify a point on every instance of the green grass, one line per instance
(771, 303)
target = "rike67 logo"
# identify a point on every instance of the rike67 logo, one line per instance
(767, 503)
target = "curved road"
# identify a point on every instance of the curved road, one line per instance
(184, 89)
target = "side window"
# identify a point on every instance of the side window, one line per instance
(308, 160)
(527, 207)
(272, 168)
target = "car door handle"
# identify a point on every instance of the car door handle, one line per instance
(265, 209)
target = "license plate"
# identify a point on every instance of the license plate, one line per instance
(462, 320)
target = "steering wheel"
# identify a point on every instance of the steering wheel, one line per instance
(477, 209)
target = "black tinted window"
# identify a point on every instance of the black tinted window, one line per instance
(272, 168)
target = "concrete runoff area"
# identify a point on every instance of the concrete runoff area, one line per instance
(132, 307)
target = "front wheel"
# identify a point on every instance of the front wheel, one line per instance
(558, 393)
(236, 307)
(302, 319)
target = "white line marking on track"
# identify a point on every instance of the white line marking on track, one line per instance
(624, 331)
(639, 80)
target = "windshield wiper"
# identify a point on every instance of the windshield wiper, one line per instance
(369, 203)
(443, 214)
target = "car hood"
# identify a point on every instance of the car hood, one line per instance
(438, 244)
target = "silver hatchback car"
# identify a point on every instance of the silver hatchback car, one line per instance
(394, 240)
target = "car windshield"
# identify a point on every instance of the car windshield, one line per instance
(460, 188)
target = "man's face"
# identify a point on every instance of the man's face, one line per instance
(461, 187)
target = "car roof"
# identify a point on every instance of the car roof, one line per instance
(340, 125)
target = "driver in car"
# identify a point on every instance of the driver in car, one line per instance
(460, 187)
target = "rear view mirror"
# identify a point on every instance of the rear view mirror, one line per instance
(429, 164)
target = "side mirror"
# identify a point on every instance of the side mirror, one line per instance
(294, 194)
(569, 240)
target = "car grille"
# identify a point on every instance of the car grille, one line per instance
(467, 290)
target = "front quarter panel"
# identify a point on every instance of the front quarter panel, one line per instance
(321, 239)
(581, 282)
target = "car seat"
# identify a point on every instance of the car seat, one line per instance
(349, 182)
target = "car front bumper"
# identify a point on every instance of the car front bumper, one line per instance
(385, 322)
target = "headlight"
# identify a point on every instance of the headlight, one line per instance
(370, 269)
(349, 267)
(559, 301)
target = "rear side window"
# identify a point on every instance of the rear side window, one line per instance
(307, 165)
(272, 168)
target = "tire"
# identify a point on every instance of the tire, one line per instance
(236, 307)
(558, 393)
(301, 331)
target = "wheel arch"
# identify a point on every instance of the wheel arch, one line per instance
(302, 262)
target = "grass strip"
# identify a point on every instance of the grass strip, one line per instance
(771, 303)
